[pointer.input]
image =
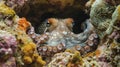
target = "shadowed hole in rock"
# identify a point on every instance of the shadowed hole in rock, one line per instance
(79, 17)
(37, 11)
(38, 18)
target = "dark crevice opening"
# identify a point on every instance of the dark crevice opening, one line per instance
(79, 17)
(37, 19)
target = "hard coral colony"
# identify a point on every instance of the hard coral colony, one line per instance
(98, 45)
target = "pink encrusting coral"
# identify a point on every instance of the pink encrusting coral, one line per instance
(8, 43)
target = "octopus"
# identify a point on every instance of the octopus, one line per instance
(59, 36)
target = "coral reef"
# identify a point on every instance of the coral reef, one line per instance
(60, 59)
(100, 16)
(66, 59)
(15, 44)
(98, 45)
(104, 16)
(8, 43)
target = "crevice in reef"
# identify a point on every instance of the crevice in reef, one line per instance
(79, 16)
(37, 13)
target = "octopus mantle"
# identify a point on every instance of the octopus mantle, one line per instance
(59, 36)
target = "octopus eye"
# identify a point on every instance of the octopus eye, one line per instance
(51, 21)
(48, 24)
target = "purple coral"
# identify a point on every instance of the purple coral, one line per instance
(8, 43)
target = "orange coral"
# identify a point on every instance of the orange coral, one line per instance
(23, 24)
(27, 59)
(97, 53)
(30, 55)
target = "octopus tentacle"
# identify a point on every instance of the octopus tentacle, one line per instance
(90, 45)
(60, 38)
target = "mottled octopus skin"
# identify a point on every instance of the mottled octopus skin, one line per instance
(59, 36)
